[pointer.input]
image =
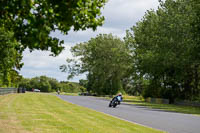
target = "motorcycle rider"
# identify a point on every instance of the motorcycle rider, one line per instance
(116, 100)
(119, 98)
(58, 92)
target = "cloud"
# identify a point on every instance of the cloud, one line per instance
(125, 13)
(39, 63)
(83, 36)
(120, 15)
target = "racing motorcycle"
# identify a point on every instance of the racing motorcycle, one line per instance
(114, 102)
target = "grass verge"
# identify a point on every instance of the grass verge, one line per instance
(45, 113)
(66, 93)
(138, 101)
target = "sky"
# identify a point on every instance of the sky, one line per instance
(120, 15)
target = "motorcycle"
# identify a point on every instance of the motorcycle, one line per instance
(114, 102)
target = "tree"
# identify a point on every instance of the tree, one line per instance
(71, 87)
(55, 86)
(10, 59)
(164, 43)
(15, 78)
(83, 83)
(44, 84)
(47, 84)
(32, 21)
(41, 83)
(105, 58)
(35, 83)
(25, 83)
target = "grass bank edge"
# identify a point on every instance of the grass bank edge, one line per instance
(64, 112)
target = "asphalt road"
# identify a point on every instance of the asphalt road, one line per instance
(158, 119)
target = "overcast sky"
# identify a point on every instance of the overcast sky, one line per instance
(119, 15)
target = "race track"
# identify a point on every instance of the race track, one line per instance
(162, 120)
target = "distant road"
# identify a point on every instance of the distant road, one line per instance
(162, 120)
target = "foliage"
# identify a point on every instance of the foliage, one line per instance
(83, 83)
(163, 44)
(25, 83)
(32, 21)
(29, 24)
(105, 58)
(15, 78)
(10, 59)
(71, 87)
(55, 85)
(44, 84)
(47, 84)
(41, 83)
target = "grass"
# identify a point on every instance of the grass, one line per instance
(71, 94)
(138, 101)
(66, 93)
(46, 113)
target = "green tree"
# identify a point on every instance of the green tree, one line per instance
(9, 58)
(164, 44)
(44, 84)
(32, 21)
(41, 83)
(83, 83)
(105, 58)
(55, 85)
(47, 84)
(35, 83)
(71, 87)
(25, 83)
(15, 78)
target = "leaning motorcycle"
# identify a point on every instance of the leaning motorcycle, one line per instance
(113, 103)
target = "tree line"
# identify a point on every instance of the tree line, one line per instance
(47, 84)
(159, 56)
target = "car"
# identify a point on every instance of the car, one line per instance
(36, 90)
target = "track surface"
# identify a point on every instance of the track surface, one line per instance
(162, 120)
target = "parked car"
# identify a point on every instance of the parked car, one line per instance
(36, 90)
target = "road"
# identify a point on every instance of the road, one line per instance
(166, 121)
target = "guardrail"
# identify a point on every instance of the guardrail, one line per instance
(4, 91)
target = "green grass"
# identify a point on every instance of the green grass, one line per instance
(71, 94)
(46, 113)
(66, 93)
(138, 101)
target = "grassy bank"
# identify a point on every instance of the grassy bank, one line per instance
(44, 113)
(138, 101)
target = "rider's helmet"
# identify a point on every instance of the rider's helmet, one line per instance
(119, 94)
